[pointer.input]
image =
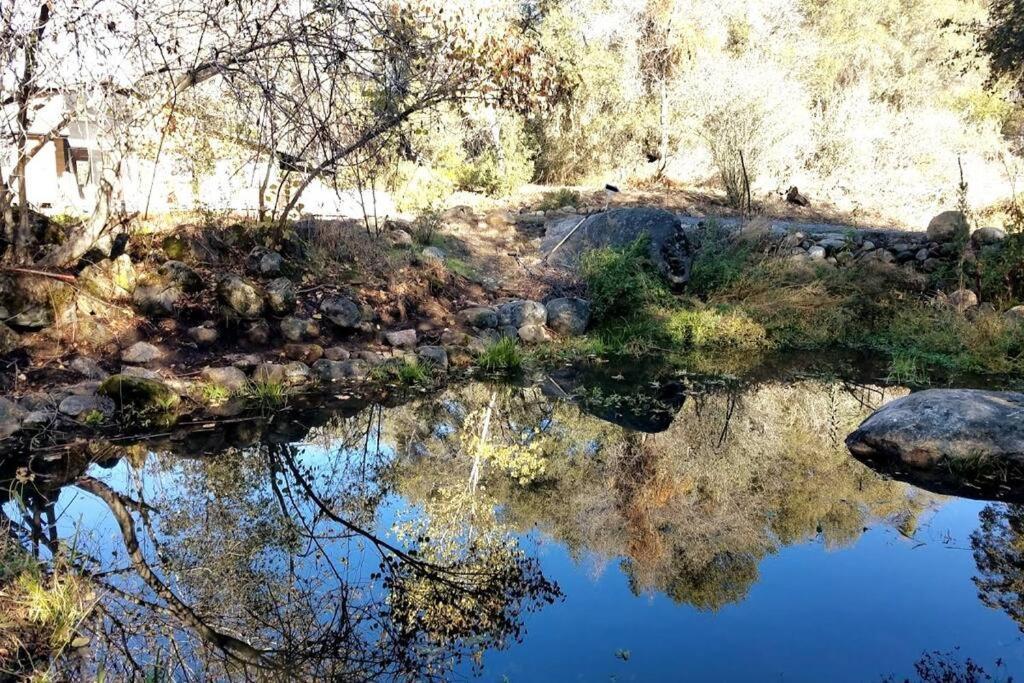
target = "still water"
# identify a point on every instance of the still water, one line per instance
(675, 529)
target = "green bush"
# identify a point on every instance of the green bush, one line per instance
(622, 282)
(719, 263)
(503, 355)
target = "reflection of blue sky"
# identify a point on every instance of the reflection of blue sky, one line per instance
(852, 614)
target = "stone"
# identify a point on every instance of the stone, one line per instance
(568, 316)
(109, 280)
(229, 377)
(335, 371)
(155, 297)
(963, 299)
(144, 373)
(281, 296)
(258, 332)
(816, 253)
(203, 335)
(928, 427)
(9, 340)
(175, 247)
(986, 237)
(181, 275)
(243, 361)
(534, 334)
(141, 353)
(454, 338)
(38, 418)
(868, 245)
(336, 353)
(499, 218)
(33, 318)
(81, 406)
(405, 339)
(11, 417)
(522, 312)
(432, 255)
(139, 393)
(268, 373)
(1015, 314)
(342, 312)
(264, 262)
(296, 373)
(296, 329)
(240, 298)
(87, 367)
(307, 353)
(434, 355)
(948, 226)
(921, 255)
(400, 238)
(567, 239)
(480, 317)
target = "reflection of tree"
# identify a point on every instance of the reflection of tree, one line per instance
(998, 546)
(263, 563)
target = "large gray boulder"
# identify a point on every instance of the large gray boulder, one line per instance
(182, 275)
(522, 312)
(568, 316)
(341, 312)
(240, 297)
(948, 226)
(939, 425)
(481, 317)
(615, 228)
(281, 296)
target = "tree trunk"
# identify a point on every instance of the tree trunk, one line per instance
(93, 229)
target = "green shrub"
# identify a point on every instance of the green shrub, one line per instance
(719, 263)
(622, 282)
(502, 355)
(714, 328)
(559, 198)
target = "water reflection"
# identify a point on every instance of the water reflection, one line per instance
(370, 542)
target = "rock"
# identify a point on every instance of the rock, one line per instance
(816, 253)
(499, 218)
(9, 340)
(263, 261)
(432, 255)
(986, 237)
(435, 355)
(615, 228)
(203, 335)
(11, 417)
(141, 353)
(948, 226)
(921, 255)
(534, 334)
(336, 353)
(135, 371)
(454, 338)
(268, 373)
(371, 357)
(156, 297)
(87, 367)
(38, 418)
(963, 299)
(400, 238)
(568, 316)
(522, 312)
(405, 339)
(510, 331)
(33, 318)
(109, 280)
(793, 196)
(79, 407)
(868, 245)
(139, 393)
(341, 312)
(182, 275)
(231, 378)
(280, 296)
(307, 353)
(239, 297)
(480, 317)
(296, 329)
(928, 427)
(1015, 314)
(258, 332)
(175, 247)
(243, 361)
(335, 371)
(931, 265)
(296, 373)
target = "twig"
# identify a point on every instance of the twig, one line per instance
(63, 277)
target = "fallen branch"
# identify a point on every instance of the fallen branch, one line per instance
(63, 277)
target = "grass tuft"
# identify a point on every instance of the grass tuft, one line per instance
(503, 355)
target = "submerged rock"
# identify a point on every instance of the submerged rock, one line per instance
(929, 427)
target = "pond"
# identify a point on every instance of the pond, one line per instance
(616, 525)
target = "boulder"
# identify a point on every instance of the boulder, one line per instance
(336, 353)
(963, 299)
(258, 332)
(141, 353)
(11, 417)
(434, 355)
(268, 373)
(203, 335)
(264, 262)
(335, 371)
(89, 368)
(240, 298)
(1015, 314)
(139, 393)
(9, 340)
(181, 275)
(156, 297)
(432, 255)
(932, 426)
(35, 317)
(616, 228)
(296, 373)
(296, 329)
(522, 312)
(281, 296)
(534, 334)
(231, 378)
(110, 280)
(341, 312)
(175, 247)
(480, 317)
(400, 238)
(403, 339)
(79, 407)
(948, 226)
(816, 253)
(307, 353)
(986, 237)
(568, 316)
